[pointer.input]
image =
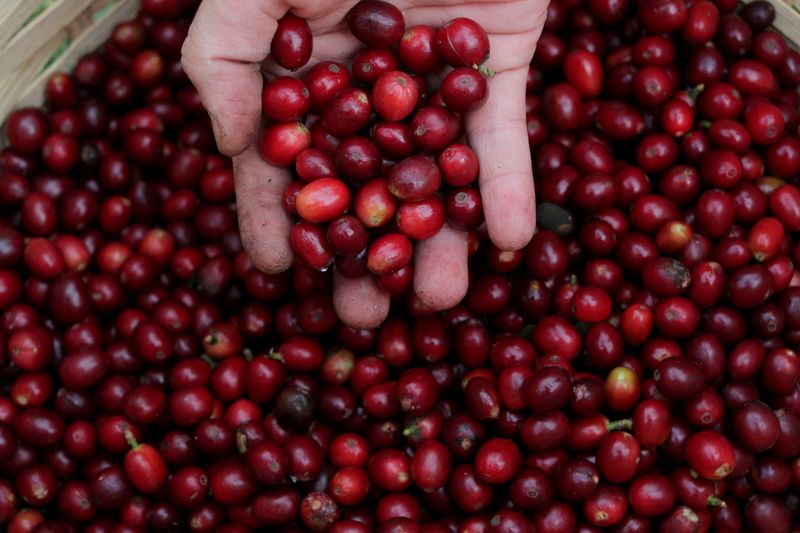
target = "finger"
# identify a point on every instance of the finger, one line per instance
(496, 131)
(339, 46)
(441, 277)
(359, 302)
(495, 17)
(264, 224)
(222, 55)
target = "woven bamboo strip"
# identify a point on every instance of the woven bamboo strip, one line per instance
(787, 20)
(13, 15)
(26, 86)
(23, 77)
(55, 18)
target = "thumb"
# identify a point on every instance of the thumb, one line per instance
(222, 56)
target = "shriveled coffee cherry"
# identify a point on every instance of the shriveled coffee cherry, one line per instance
(548, 389)
(318, 511)
(26, 130)
(749, 286)
(458, 165)
(679, 378)
(662, 16)
(416, 391)
(417, 49)
(584, 71)
(347, 235)
(755, 426)
(433, 127)
(375, 205)
(357, 158)
(295, 408)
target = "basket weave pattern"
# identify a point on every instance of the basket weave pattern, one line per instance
(28, 46)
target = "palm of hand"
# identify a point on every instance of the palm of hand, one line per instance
(512, 25)
(496, 130)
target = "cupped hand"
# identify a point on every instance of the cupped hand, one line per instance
(225, 56)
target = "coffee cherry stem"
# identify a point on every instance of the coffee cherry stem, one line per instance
(131, 439)
(619, 425)
(714, 501)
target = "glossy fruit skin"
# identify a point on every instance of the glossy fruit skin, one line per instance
(463, 88)
(285, 98)
(710, 454)
(292, 43)
(421, 220)
(388, 254)
(282, 142)
(308, 241)
(497, 461)
(322, 200)
(375, 23)
(394, 95)
(414, 179)
(584, 71)
(462, 42)
(145, 468)
(548, 389)
(431, 465)
(749, 286)
(347, 235)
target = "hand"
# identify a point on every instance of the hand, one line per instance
(225, 54)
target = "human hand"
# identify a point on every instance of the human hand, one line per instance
(225, 54)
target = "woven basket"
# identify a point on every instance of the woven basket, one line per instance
(34, 47)
(787, 20)
(39, 39)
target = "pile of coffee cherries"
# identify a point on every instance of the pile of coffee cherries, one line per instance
(633, 369)
(376, 131)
